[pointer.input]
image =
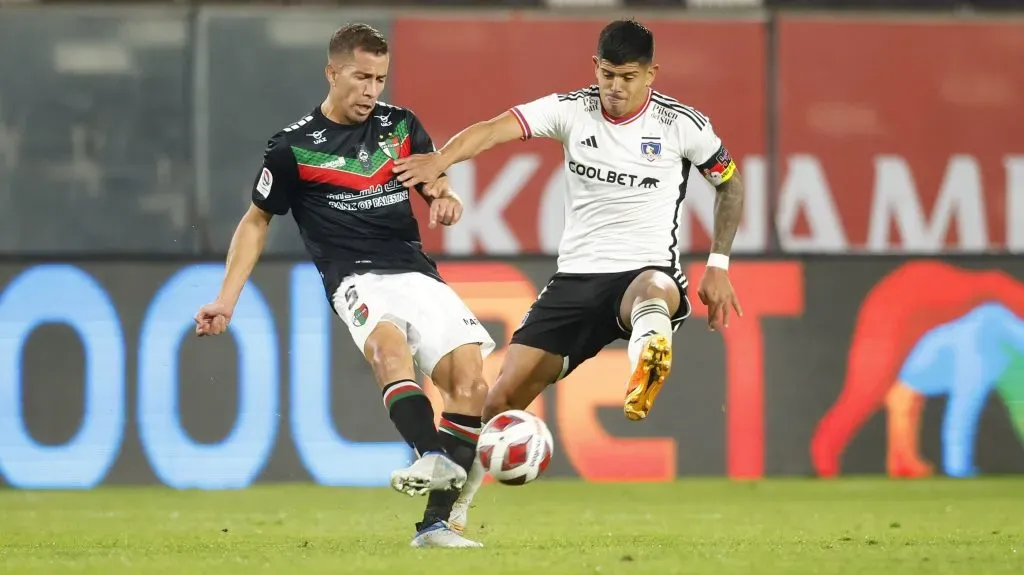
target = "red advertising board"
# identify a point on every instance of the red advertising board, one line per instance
(901, 135)
(904, 143)
(455, 72)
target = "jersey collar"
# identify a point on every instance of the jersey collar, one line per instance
(627, 119)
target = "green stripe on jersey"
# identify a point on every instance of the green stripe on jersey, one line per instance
(378, 156)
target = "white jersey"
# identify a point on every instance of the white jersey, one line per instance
(625, 177)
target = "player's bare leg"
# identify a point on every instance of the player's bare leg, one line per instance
(388, 353)
(459, 379)
(647, 308)
(525, 373)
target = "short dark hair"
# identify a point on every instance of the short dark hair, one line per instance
(352, 37)
(624, 42)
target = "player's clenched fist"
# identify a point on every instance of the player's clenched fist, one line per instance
(212, 319)
(445, 210)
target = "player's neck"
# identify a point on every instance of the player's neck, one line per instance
(632, 111)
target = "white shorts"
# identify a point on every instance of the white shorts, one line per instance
(432, 316)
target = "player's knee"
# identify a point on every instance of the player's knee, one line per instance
(651, 284)
(655, 284)
(389, 362)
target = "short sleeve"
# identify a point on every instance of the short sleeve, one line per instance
(546, 117)
(703, 147)
(278, 178)
(419, 139)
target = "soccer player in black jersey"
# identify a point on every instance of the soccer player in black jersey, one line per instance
(333, 170)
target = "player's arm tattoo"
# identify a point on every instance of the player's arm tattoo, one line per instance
(728, 212)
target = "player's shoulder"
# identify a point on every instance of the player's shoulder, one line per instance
(581, 100)
(285, 135)
(392, 112)
(582, 95)
(672, 112)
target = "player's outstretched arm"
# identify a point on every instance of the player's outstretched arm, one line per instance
(426, 168)
(480, 137)
(716, 290)
(246, 246)
(271, 192)
(243, 253)
(715, 163)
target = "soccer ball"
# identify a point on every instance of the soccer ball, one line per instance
(515, 447)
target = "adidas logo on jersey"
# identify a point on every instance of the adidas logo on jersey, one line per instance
(590, 142)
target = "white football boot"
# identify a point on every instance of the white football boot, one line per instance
(432, 472)
(459, 517)
(440, 534)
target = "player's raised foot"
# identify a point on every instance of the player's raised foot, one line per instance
(440, 534)
(432, 472)
(651, 371)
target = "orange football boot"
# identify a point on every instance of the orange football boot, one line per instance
(648, 377)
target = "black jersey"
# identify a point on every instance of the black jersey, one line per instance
(336, 179)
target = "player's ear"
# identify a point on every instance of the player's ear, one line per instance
(597, 66)
(652, 71)
(329, 74)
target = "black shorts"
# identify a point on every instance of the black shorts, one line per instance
(577, 315)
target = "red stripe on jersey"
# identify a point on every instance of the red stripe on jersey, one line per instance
(523, 124)
(627, 119)
(343, 179)
(351, 180)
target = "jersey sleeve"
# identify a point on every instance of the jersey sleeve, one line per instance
(546, 117)
(703, 147)
(278, 178)
(419, 139)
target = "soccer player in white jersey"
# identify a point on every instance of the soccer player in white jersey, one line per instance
(628, 154)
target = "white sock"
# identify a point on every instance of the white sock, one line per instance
(649, 317)
(473, 482)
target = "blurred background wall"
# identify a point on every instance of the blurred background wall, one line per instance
(882, 145)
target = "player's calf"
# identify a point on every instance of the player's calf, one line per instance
(411, 412)
(459, 378)
(524, 375)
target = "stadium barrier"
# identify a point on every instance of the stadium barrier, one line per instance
(839, 366)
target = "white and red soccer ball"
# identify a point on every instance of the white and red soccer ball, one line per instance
(515, 447)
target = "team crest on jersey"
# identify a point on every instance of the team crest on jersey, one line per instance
(359, 315)
(363, 156)
(650, 147)
(390, 144)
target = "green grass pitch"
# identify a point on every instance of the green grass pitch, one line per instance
(855, 526)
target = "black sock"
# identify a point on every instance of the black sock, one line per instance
(412, 415)
(459, 434)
